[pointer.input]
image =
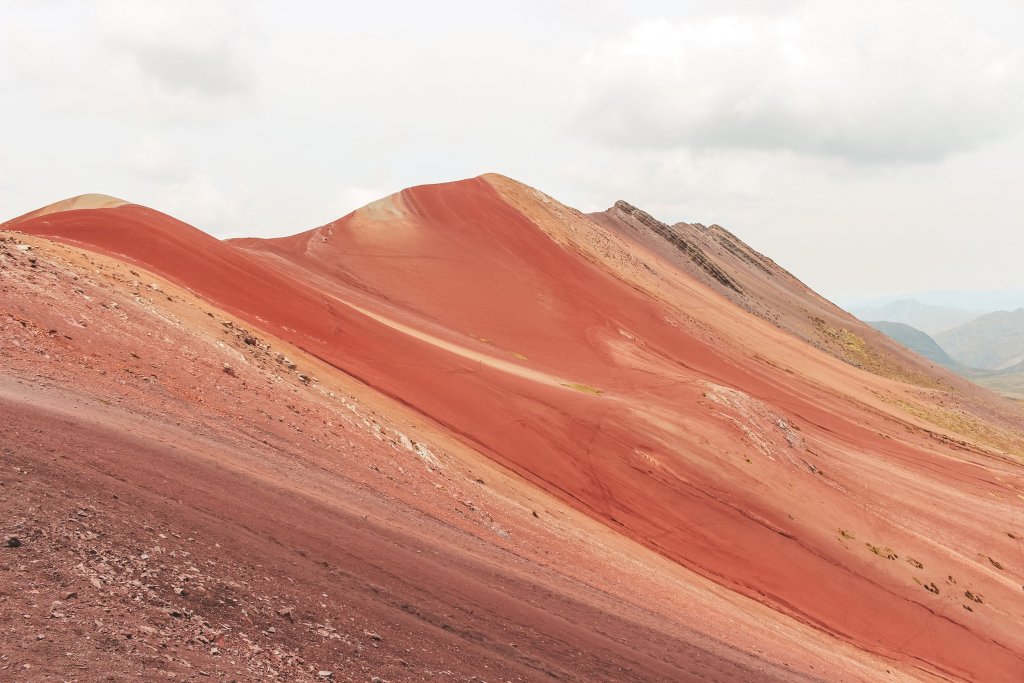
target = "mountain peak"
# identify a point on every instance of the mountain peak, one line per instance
(90, 200)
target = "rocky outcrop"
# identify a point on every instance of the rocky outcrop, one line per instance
(641, 219)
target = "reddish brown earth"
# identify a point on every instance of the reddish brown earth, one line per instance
(514, 441)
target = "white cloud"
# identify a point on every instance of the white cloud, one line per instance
(200, 201)
(865, 81)
(155, 159)
(171, 182)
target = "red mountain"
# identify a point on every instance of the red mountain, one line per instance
(527, 441)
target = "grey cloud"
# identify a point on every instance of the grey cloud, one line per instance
(899, 86)
(207, 74)
(189, 48)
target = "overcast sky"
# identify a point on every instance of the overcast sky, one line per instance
(871, 148)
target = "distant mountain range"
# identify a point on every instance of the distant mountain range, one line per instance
(972, 300)
(988, 349)
(917, 341)
(927, 318)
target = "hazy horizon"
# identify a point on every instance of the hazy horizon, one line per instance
(871, 149)
(985, 301)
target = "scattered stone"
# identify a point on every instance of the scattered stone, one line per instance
(325, 674)
(372, 635)
(12, 542)
(228, 370)
(287, 613)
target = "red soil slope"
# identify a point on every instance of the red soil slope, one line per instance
(619, 382)
(187, 506)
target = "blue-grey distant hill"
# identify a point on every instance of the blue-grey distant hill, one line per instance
(917, 341)
(995, 340)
